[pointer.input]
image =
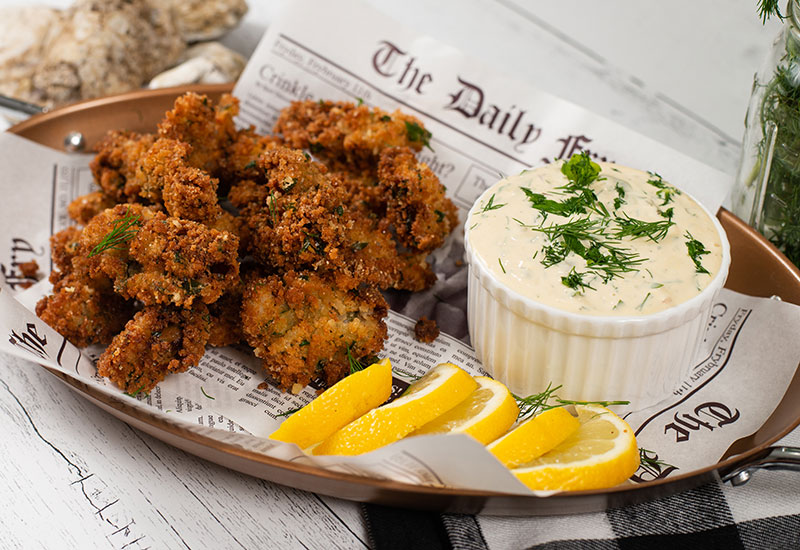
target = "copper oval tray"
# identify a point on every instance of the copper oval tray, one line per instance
(757, 268)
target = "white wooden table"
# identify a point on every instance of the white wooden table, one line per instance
(75, 477)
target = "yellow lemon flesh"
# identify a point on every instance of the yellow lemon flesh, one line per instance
(487, 413)
(337, 406)
(601, 453)
(534, 437)
(441, 389)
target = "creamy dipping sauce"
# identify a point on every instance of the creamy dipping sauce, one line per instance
(638, 247)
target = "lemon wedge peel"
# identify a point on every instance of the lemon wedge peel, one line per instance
(534, 437)
(485, 414)
(601, 453)
(441, 389)
(337, 406)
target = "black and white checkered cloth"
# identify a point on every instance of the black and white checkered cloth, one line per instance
(762, 514)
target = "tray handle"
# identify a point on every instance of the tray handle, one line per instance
(771, 458)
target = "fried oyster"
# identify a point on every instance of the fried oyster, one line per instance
(304, 327)
(177, 210)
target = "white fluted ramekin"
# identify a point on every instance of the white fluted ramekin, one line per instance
(528, 345)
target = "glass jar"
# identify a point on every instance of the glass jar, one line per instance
(767, 190)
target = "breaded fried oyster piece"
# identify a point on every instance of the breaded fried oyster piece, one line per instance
(82, 313)
(304, 327)
(157, 341)
(118, 157)
(347, 132)
(86, 207)
(416, 205)
(158, 259)
(299, 218)
(208, 130)
(83, 309)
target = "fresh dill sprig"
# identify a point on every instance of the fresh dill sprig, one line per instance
(665, 191)
(603, 256)
(635, 229)
(415, 132)
(768, 8)
(289, 412)
(619, 200)
(491, 205)
(600, 403)
(355, 366)
(646, 459)
(574, 280)
(568, 207)
(533, 404)
(641, 306)
(123, 230)
(696, 249)
(540, 402)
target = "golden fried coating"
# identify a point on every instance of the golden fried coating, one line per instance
(118, 157)
(416, 205)
(176, 261)
(159, 259)
(344, 131)
(86, 207)
(157, 341)
(83, 313)
(299, 218)
(304, 327)
(317, 240)
(209, 131)
(164, 177)
(226, 319)
(242, 154)
(63, 247)
(426, 330)
(104, 242)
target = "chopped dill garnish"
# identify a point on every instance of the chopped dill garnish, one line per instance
(540, 402)
(355, 366)
(415, 132)
(289, 412)
(574, 280)
(619, 200)
(641, 306)
(501, 265)
(204, 393)
(122, 231)
(635, 229)
(646, 459)
(665, 191)
(696, 249)
(491, 205)
(273, 212)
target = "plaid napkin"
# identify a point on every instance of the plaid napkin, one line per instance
(764, 513)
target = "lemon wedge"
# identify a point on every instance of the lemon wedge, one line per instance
(534, 437)
(441, 389)
(337, 406)
(485, 414)
(601, 453)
